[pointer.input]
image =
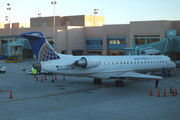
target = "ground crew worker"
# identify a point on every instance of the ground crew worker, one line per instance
(34, 72)
(157, 81)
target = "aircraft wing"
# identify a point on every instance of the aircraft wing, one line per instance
(135, 75)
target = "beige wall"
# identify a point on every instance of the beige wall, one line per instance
(149, 28)
(92, 20)
(108, 31)
(61, 40)
(7, 25)
(80, 20)
(74, 20)
(76, 39)
(69, 39)
(2, 24)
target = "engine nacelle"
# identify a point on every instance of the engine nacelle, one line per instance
(88, 62)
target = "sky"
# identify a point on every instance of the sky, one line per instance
(114, 11)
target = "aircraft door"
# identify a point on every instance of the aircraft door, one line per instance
(166, 64)
(121, 63)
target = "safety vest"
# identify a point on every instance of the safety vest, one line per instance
(34, 71)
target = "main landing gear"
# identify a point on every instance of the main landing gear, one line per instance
(119, 83)
(97, 81)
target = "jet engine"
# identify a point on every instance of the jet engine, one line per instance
(88, 62)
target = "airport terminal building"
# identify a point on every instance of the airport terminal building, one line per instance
(87, 34)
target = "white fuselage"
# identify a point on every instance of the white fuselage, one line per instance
(109, 65)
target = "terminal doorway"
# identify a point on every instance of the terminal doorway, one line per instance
(116, 53)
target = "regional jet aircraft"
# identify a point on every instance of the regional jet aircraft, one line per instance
(97, 67)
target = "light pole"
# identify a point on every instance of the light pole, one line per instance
(54, 3)
(9, 8)
(95, 12)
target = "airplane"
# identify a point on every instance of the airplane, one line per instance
(97, 67)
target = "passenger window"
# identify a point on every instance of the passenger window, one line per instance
(100, 63)
(124, 62)
(120, 62)
(108, 63)
(127, 62)
(131, 62)
(116, 62)
(134, 62)
(141, 61)
(104, 63)
(113, 63)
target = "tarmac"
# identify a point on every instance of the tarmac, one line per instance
(79, 99)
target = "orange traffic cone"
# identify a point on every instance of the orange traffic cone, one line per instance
(171, 89)
(44, 77)
(55, 77)
(173, 93)
(63, 77)
(164, 93)
(158, 95)
(151, 92)
(36, 78)
(41, 79)
(10, 94)
(52, 79)
(176, 91)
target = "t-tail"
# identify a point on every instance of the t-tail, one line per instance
(41, 47)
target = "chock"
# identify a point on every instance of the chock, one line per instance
(63, 77)
(55, 77)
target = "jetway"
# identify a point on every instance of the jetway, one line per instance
(168, 46)
(14, 51)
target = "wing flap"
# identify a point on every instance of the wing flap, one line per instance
(136, 75)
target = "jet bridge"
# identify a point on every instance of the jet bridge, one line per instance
(168, 46)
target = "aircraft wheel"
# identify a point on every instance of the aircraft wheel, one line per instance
(95, 81)
(99, 81)
(119, 83)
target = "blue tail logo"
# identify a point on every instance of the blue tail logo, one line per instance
(42, 49)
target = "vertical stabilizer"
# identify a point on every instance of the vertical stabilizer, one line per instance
(41, 47)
